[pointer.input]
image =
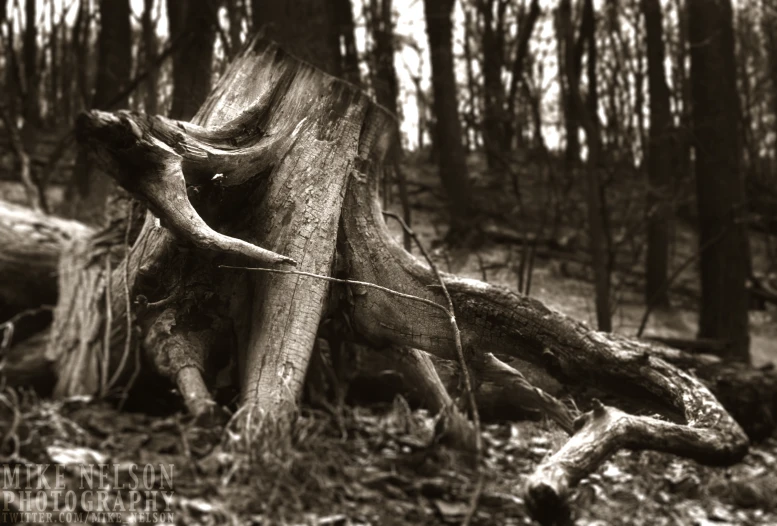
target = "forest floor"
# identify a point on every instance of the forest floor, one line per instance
(379, 465)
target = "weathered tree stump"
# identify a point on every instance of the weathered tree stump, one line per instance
(281, 166)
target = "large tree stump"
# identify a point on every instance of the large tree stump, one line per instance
(282, 166)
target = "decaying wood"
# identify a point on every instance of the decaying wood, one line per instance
(31, 245)
(284, 157)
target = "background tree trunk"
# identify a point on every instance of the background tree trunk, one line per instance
(114, 67)
(150, 54)
(194, 22)
(305, 28)
(384, 74)
(528, 21)
(720, 190)
(492, 48)
(349, 66)
(659, 161)
(31, 102)
(452, 161)
(571, 78)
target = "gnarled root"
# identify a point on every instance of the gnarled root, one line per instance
(495, 319)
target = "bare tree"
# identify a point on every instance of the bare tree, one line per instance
(492, 15)
(194, 22)
(659, 161)
(349, 61)
(526, 28)
(150, 54)
(31, 101)
(719, 185)
(384, 74)
(451, 158)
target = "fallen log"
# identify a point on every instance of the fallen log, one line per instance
(31, 245)
(286, 158)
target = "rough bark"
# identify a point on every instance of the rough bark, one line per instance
(293, 164)
(451, 158)
(720, 191)
(659, 161)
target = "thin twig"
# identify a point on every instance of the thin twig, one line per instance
(462, 363)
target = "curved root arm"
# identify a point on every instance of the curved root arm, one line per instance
(497, 320)
(146, 156)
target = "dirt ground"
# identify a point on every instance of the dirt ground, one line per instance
(379, 464)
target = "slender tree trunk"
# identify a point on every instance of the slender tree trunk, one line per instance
(571, 71)
(452, 161)
(682, 148)
(150, 54)
(31, 102)
(384, 74)
(54, 113)
(80, 43)
(769, 18)
(349, 66)
(659, 161)
(114, 65)
(193, 21)
(12, 78)
(470, 128)
(720, 189)
(588, 35)
(235, 15)
(528, 21)
(493, 90)
(590, 121)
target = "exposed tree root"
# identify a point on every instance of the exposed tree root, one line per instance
(498, 320)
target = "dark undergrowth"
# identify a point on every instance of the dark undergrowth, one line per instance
(377, 465)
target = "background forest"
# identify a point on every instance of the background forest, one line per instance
(615, 159)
